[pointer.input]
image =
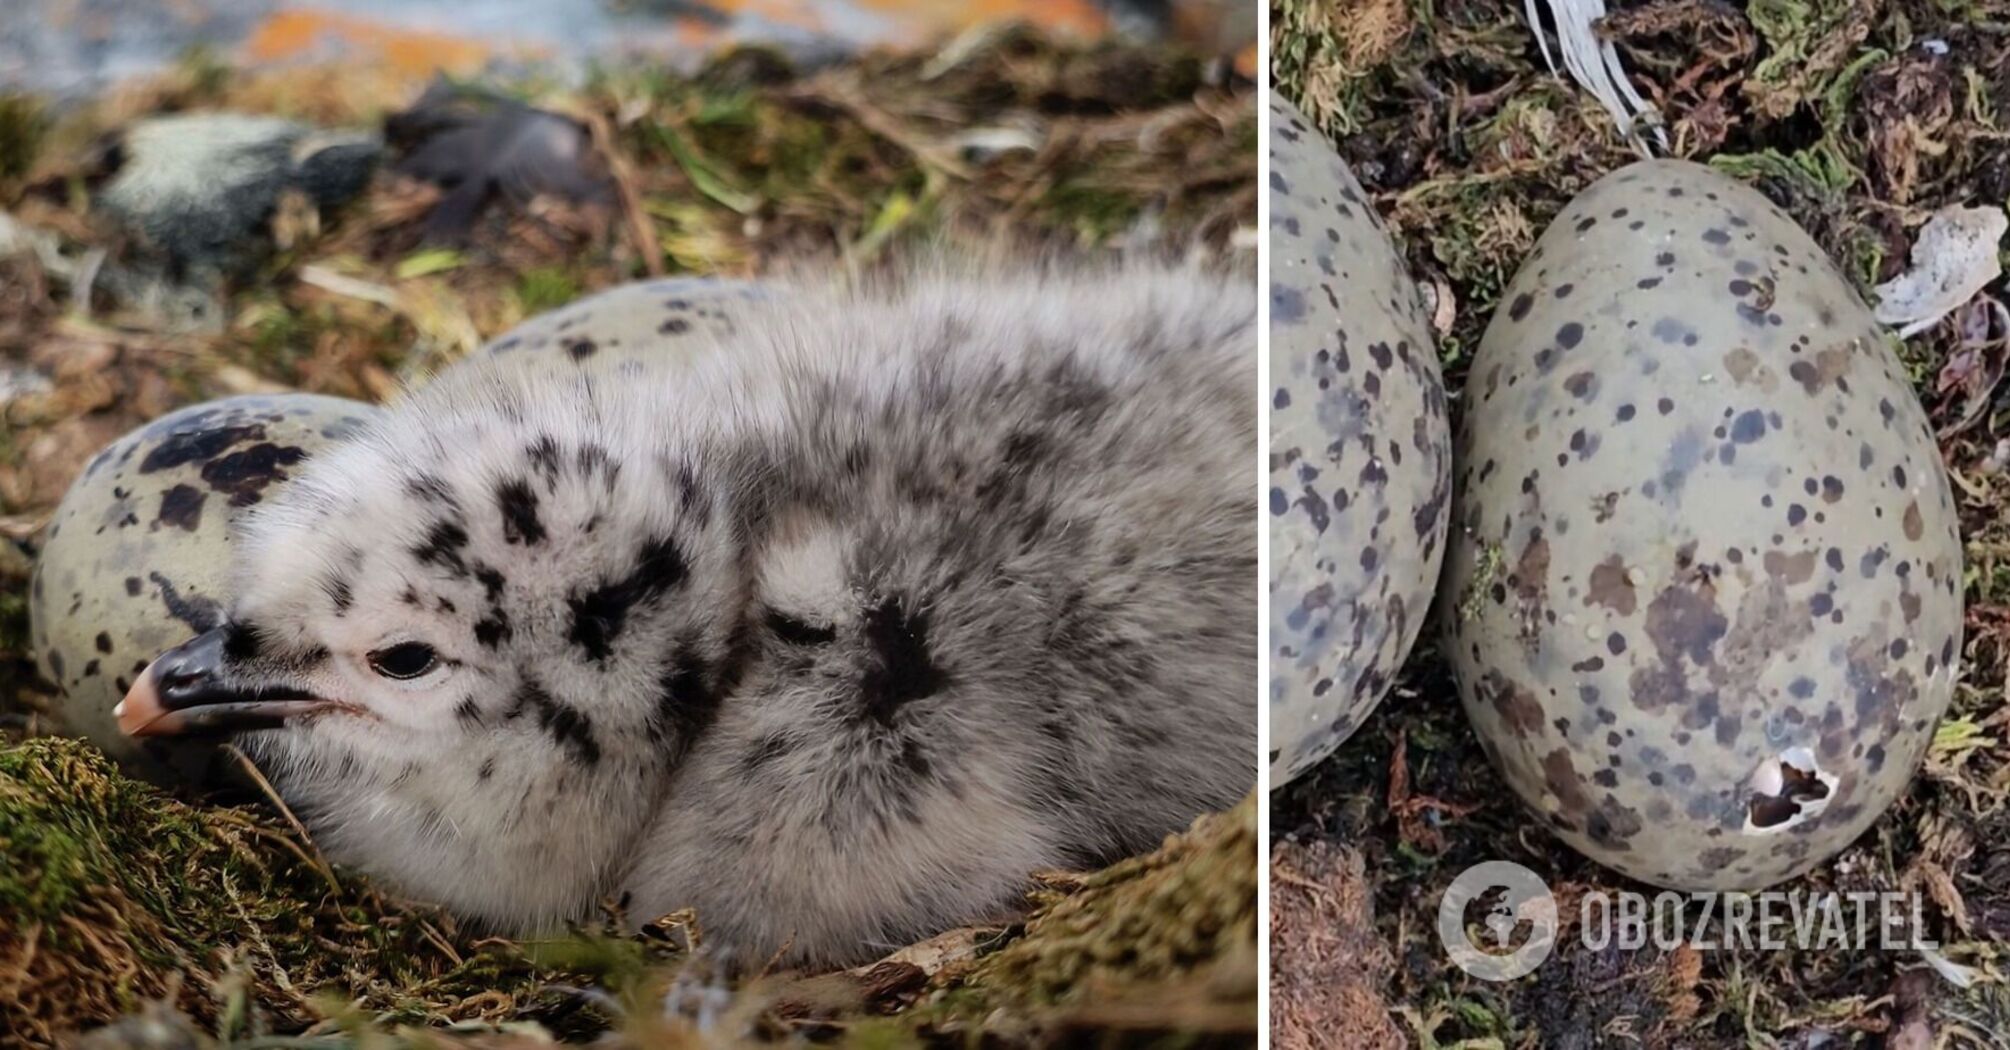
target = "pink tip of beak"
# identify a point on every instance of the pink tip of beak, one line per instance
(141, 713)
(145, 712)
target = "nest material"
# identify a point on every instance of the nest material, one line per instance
(119, 899)
(115, 894)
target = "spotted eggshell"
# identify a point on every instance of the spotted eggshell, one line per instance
(1360, 452)
(1704, 593)
(647, 319)
(137, 557)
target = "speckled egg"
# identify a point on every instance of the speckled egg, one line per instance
(137, 557)
(1703, 596)
(1360, 452)
(647, 319)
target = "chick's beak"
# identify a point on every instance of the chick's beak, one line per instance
(185, 691)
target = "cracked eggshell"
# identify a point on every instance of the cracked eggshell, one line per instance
(655, 321)
(137, 557)
(1360, 452)
(1703, 596)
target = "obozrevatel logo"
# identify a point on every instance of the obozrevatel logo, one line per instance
(1519, 908)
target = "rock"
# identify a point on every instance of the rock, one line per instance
(199, 188)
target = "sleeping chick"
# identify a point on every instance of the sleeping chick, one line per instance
(835, 632)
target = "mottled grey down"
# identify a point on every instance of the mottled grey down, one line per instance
(835, 630)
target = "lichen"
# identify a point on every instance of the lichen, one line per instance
(1485, 571)
(1175, 928)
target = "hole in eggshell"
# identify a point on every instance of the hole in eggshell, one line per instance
(1787, 790)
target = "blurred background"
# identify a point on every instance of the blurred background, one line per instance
(69, 47)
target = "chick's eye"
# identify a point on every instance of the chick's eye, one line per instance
(404, 660)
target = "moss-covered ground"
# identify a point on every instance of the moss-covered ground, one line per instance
(205, 924)
(1860, 117)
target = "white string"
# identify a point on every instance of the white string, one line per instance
(1594, 64)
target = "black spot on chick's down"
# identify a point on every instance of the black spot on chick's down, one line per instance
(431, 488)
(796, 632)
(903, 670)
(518, 505)
(492, 630)
(599, 615)
(241, 642)
(569, 728)
(693, 690)
(442, 547)
(687, 702)
(765, 750)
(339, 593)
(543, 455)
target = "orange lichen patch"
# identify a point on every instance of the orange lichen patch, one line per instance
(1069, 16)
(1245, 61)
(307, 33)
(799, 13)
(327, 93)
(920, 19)
(699, 35)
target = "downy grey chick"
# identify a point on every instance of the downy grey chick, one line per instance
(835, 633)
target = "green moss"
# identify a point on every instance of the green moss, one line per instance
(1182, 917)
(1799, 35)
(1093, 212)
(23, 124)
(115, 892)
(545, 288)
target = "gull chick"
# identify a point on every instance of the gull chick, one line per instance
(835, 632)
